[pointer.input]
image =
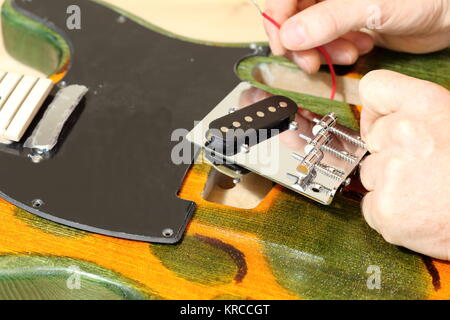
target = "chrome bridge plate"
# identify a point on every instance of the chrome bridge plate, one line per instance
(314, 157)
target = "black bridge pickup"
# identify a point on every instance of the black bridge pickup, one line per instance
(250, 125)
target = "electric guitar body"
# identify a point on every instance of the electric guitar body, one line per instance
(111, 185)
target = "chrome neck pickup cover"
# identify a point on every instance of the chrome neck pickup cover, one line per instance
(312, 155)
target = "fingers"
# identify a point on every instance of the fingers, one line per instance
(308, 60)
(378, 220)
(383, 92)
(367, 207)
(322, 23)
(341, 51)
(381, 134)
(370, 170)
(280, 11)
(362, 41)
(307, 24)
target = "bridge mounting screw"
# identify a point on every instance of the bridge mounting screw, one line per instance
(36, 158)
(347, 182)
(293, 126)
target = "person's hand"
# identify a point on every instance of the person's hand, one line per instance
(406, 125)
(415, 26)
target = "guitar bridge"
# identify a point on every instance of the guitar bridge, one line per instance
(314, 156)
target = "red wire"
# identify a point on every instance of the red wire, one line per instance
(321, 50)
(269, 18)
(331, 67)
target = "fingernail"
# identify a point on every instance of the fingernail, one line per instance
(302, 63)
(364, 45)
(292, 36)
(347, 58)
(276, 51)
(344, 57)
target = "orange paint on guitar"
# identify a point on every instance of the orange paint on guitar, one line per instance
(135, 260)
(259, 282)
(61, 73)
(443, 269)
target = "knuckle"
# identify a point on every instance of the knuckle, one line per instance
(403, 128)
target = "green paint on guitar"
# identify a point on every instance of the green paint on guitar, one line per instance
(331, 251)
(49, 51)
(48, 277)
(434, 67)
(323, 252)
(209, 265)
(246, 72)
(48, 226)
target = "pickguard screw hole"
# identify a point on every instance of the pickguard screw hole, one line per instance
(167, 233)
(37, 203)
(121, 19)
(62, 84)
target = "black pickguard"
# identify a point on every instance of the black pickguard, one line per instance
(113, 173)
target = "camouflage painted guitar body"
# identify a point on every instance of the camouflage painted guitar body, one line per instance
(287, 247)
